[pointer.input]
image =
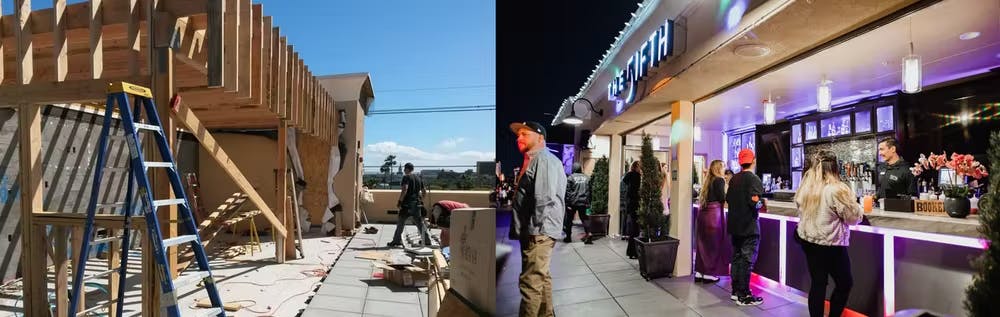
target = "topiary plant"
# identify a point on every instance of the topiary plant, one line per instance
(599, 187)
(981, 296)
(652, 221)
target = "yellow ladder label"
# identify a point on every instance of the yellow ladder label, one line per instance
(131, 89)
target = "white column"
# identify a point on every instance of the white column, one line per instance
(681, 162)
(615, 162)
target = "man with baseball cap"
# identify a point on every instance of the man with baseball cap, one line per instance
(744, 200)
(538, 216)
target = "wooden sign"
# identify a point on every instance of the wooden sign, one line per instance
(929, 207)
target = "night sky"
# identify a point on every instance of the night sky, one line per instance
(546, 49)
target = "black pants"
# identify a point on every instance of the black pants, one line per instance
(826, 261)
(568, 220)
(632, 230)
(744, 257)
(411, 210)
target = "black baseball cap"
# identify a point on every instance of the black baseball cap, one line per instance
(530, 125)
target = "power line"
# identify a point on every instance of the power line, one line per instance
(436, 88)
(436, 109)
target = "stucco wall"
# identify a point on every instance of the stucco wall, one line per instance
(385, 200)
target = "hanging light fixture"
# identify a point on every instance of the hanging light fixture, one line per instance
(697, 133)
(768, 110)
(912, 79)
(824, 97)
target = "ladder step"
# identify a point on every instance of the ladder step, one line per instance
(179, 240)
(190, 279)
(143, 126)
(99, 275)
(112, 205)
(167, 202)
(159, 164)
(105, 240)
(210, 312)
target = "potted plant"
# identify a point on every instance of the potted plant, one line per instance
(981, 296)
(657, 251)
(599, 218)
(956, 187)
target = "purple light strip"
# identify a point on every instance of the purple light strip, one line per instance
(783, 246)
(889, 274)
(968, 242)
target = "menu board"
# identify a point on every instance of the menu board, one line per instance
(884, 118)
(796, 179)
(835, 126)
(797, 134)
(748, 141)
(735, 145)
(810, 130)
(862, 121)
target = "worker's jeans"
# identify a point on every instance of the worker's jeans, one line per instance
(411, 210)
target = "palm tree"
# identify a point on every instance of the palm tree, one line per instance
(387, 165)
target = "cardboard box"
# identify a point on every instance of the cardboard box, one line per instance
(403, 275)
(473, 252)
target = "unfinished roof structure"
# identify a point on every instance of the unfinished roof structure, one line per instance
(227, 62)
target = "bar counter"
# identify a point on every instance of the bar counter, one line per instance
(901, 261)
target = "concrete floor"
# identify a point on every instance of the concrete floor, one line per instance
(350, 289)
(255, 281)
(599, 280)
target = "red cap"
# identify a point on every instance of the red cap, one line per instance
(746, 156)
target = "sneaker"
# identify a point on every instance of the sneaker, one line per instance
(733, 296)
(567, 240)
(749, 300)
(708, 279)
(394, 244)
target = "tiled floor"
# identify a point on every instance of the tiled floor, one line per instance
(350, 289)
(599, 280)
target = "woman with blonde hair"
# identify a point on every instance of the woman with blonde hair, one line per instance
(827, 207)
(712, 246)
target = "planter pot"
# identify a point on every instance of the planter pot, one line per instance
(657, 258)
(957, 207)
(598, 224)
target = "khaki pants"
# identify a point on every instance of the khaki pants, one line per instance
(536, 282)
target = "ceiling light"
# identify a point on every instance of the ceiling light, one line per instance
(572, 120)
(752, 50)
(697, 133)
(824, 97)
(746, 107)
(912, 80)
(768, 112)
(968, 36)
(865, 91)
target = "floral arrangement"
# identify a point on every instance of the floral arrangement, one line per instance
(964, 166)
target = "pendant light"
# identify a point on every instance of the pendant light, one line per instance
(824, 97)
(912, 78)
(768, 110)
(697, 133)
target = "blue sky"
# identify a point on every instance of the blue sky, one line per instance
(404, 45)
(407, 45)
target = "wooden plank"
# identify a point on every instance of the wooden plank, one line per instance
(45, 92)
(150, 283)
(186, 117)
(134, 45)
(61, 261)
(244, 87)
(114, 262)
(76, 238)
(96, 39)
(282, 102)
(280, 192)
(115, 12)
(22, 31)
(216, 39)
(230, 48)
(2, 35)
(270, 61)
(162, 78)
(257, 55)
(49, 218)
(59, 43)
(32, 261)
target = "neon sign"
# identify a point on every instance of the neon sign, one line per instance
(658, 46)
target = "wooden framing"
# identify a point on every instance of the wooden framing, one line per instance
(236, 70)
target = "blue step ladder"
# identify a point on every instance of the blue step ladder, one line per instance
(130, 114)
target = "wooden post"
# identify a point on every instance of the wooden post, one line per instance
(61, 262)
(114, 262)
(150, 284)
(281, 243)
(162, 79)
(77, 237)
(32, 239)
(682, 158)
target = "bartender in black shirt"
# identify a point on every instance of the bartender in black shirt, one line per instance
(894, 176)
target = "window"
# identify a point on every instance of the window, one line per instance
(885, 119)
(863, 121)
(811, 130)
(797, 134)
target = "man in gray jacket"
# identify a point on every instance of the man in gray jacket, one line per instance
(538, 216)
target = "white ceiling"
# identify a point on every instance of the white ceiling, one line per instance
(868, 62)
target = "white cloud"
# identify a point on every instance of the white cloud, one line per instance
(451, 143)
(404, 153)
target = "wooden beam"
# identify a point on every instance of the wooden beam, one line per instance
(30, 177)
(162, 79)
(61, 261)
(134, 45)
(282, 103)
(65, 92)
(245, 34)
(2, 35)
(96, 40)
(22, 31)
(232, 43)
(267, 69)
(280, 192)
(114, 282)
(186, 117)
(216, 39)
(76, 237)
(257, 55)
(150, 283)
(49, 218)
(59, 43)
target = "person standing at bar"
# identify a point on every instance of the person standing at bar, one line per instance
(577, 202)
(827, 209)
(894, 176)
(744, 199)
(410, 205)
(538, 216)
(712, 245)
(631, 183)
